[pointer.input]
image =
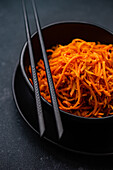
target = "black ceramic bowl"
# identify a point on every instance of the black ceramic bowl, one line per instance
(94, 134)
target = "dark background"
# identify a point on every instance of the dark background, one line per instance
(20, 147)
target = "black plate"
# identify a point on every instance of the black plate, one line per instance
(25, 103)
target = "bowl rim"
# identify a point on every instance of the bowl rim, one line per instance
(27, 80)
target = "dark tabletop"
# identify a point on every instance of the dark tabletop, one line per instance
(20, 147)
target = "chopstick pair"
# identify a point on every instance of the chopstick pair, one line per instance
(35, 78)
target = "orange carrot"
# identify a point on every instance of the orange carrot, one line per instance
(83, 77)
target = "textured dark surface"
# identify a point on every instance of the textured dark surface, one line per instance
(20, 147)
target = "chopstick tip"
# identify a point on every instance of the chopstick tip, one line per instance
(60, 134)
(42, 133)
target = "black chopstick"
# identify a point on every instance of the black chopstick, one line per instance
(48, 73)
(34, 75)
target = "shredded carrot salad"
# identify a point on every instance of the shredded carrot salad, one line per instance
(82, 73)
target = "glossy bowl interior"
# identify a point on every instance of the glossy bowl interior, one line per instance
(62, 33)
(84, 129)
